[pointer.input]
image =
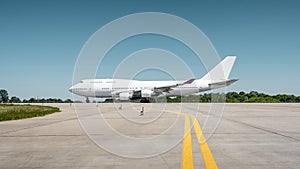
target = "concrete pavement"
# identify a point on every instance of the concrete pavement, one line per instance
(116, 136)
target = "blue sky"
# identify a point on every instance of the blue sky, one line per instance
(40, 41)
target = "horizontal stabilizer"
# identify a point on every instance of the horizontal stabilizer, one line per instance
(222, 83)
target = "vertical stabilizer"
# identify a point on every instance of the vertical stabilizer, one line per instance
(221, 71)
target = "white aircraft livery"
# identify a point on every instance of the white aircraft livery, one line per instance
(124, 89)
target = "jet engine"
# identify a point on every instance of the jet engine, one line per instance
(125, 96)
(146, 93)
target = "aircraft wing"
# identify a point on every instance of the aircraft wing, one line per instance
(117, 92)
(157, 90)
(162, 89)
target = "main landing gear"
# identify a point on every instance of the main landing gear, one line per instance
(148, 100)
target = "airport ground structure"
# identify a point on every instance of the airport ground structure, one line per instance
(248, 135)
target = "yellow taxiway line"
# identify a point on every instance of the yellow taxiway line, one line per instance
(187, 154)
(208, 158)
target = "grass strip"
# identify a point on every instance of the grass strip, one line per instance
(14, 112)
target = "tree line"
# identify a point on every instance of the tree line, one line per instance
(4, 98)
(238, 97)
(230, 97)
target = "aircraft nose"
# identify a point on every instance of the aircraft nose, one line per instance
(70, 89)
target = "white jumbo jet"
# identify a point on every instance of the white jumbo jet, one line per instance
(124, 89)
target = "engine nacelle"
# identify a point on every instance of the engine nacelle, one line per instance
(146, 93)
(125, 96)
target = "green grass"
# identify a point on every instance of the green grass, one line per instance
(14, 112)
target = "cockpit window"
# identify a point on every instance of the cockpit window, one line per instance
(81, 81)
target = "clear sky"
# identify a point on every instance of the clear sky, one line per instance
(40, 40)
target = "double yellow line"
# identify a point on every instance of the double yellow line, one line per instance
(187, 152)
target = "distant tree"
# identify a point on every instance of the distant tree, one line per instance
(218, 97)
(4, 96)
(298, 99)
(233, 97)
(108, 101)
(53, 100)
(243, 98)
(68, 101)
(205, 98)
(42, 100)
(174, 99)
(32, 100)
(15, 99)
(255, 93)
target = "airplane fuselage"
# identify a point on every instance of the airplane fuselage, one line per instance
(104, 88)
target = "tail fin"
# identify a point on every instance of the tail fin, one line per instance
(222, 70)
